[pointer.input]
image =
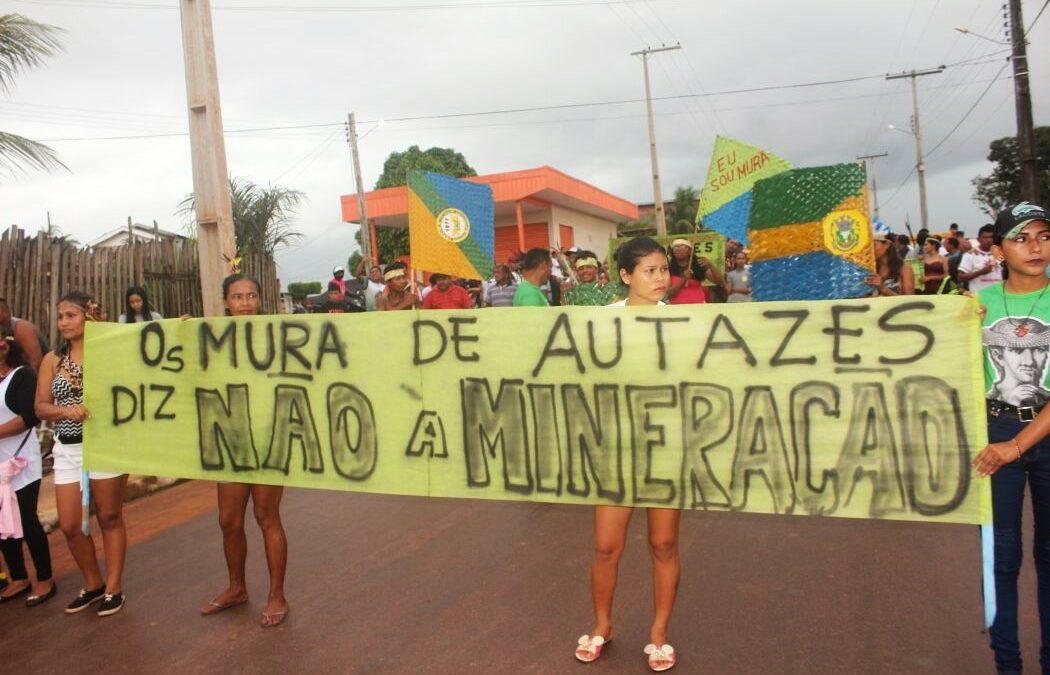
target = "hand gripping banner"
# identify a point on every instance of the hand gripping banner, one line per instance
(858, 408)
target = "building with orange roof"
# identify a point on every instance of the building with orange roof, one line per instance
(540, 207)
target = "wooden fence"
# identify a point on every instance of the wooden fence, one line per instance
(36, 271)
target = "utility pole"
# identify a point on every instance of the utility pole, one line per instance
(874, 184)
(362, 214)
(920, 166)
(658, 199)
(1023, 102)
(216, 242)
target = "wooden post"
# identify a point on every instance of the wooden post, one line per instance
(372, 235)
(367, 250)
(521, 226)
(211, 188)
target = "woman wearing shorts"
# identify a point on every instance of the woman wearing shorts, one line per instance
(60, 400)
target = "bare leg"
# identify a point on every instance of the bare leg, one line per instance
(610, 535)
(663, 544)
(81, 546)
(233, 501)
(266, 500)
(108, 496)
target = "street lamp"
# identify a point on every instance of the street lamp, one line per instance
(966, 31)
(920, 166)
(1029, 164)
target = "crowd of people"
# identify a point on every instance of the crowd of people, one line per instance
(1005, 266)
(549, 277)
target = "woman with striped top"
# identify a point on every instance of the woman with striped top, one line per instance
(60, 400)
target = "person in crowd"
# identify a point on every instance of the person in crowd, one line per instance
(643, 269)
(688, 272)
(738, 279)
(934, 266)
(18, 438)
(892, 276)
(337, 278)
(588, 291)
(241, 294)
(954, 255)
(978, 268)
(535, 272)
(397, 294)
(60, 400)
(1016, 337)
(336, 301)
(499, 291)
(447, 295)
(372, 285)
(137, 307)
(26, 334)
(903, 246)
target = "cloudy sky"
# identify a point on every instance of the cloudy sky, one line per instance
(421, 64)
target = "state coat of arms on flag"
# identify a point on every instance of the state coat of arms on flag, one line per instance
(450, 225)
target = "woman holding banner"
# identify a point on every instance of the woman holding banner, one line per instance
(1016, 336)
(241, 293)
(60, 399)
(688, 273)
(643, 268)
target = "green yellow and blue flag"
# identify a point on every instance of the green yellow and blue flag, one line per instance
(450, 225)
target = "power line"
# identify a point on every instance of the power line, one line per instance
(495, 112)
(968, 112)
(478, 4)
(1038, 14)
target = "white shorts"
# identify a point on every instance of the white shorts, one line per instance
(69, 464)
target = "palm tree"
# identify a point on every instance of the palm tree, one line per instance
(24, 43)
(262, 216)
(681, 214)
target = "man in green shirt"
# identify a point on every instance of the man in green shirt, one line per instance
(535, 271)
(587, 292)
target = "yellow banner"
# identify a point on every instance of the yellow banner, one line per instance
(861, 408)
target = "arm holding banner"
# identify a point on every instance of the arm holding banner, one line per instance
(994, 455)
(44, 406)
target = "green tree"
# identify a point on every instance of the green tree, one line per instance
(393, 241)
(681, 212)
(301, 289)
(1003, 185)
(263, 217)
(24, 43)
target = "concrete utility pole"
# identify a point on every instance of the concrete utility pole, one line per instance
(1023, 102)
(217, 244)
(874, 184)
(920, 166)
(658, 199)
(362, 213)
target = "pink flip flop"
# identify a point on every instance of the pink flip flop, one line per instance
(589, 648)
(660, 658)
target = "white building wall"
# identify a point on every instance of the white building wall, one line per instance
(589, 232)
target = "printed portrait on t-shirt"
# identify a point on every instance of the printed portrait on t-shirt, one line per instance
(1019, 350)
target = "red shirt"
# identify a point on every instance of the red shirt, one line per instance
(454, 298)
(692, 292)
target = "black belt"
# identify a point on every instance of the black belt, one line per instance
(1024, 413)
(71, 440)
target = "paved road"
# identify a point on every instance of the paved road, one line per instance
(409, 585)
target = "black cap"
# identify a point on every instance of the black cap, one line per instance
(1013, 217)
